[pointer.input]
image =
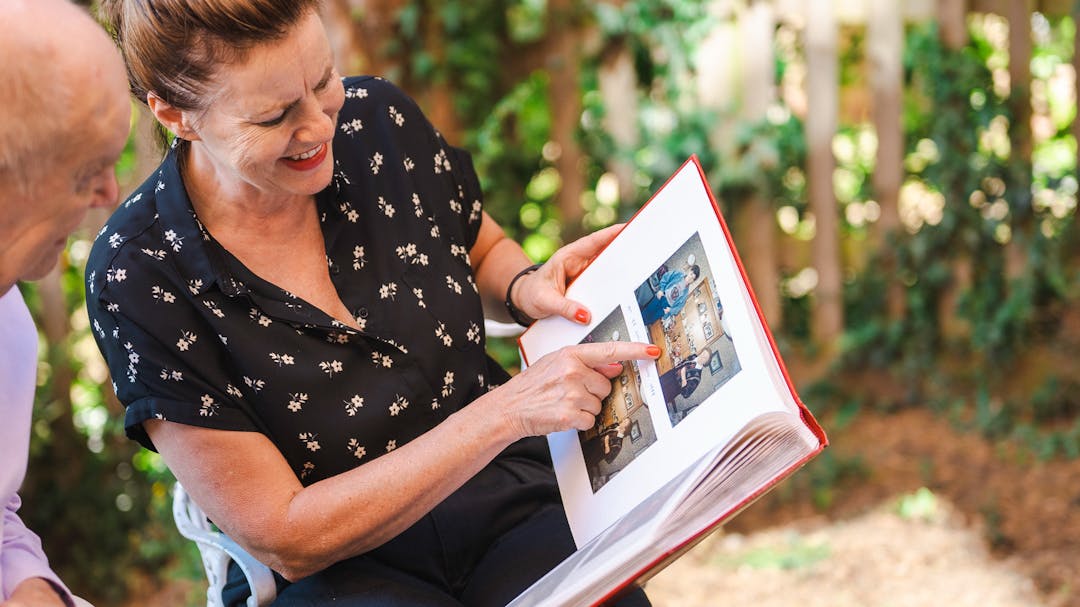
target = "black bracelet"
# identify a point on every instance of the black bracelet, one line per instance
(519, 317)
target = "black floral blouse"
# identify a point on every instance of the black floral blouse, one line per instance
(192, 336)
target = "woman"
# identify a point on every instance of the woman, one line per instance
(291, 310)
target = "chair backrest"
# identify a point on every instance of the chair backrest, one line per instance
(217, 550)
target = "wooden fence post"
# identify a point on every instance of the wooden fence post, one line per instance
(1020, 47)
(823, 83)
(755, 220)
(952, 25)
(885, 42)
(563, 63)
(618, 88)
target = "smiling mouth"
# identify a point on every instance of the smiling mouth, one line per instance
(308, 154)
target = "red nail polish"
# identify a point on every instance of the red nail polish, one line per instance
(653, 351)
(582, 316)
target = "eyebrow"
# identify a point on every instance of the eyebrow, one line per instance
(286, 108)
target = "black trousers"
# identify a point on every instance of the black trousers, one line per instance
(480, 547)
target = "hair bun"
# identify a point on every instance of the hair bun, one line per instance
(111, 15)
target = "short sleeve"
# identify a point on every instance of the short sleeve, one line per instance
(465, 174)
(166, 362)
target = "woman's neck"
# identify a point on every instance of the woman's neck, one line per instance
(239, 214)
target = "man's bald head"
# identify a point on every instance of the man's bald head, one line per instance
(54, 54)
(65, 118)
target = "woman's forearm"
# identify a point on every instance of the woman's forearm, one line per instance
(246, 487)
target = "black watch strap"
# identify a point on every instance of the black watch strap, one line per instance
(519, 317)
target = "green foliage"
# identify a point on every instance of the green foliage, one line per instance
(92, 492)
(921, 505)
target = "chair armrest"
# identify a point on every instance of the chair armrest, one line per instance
(494, 328)
(217, 549)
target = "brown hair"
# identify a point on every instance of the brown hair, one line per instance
(173, 47)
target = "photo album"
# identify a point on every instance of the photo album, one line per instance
(684, 442)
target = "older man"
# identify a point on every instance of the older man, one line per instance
(64, 118)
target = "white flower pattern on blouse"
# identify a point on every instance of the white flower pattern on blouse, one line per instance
(158, 286)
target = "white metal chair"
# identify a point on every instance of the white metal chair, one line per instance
(217, 549)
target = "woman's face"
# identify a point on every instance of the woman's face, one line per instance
(271, 119)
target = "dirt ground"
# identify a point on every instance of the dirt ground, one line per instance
(991, 527)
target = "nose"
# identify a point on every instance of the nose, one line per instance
(317, 127)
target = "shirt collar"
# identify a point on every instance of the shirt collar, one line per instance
(198, 257)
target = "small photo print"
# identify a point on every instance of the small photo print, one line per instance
(623, 428)
(683, 314)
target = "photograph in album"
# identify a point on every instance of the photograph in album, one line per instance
(623, 428)
(683, 315)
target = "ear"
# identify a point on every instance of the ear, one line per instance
(171, 117)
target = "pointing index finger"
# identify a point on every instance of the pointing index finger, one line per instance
(597, 354)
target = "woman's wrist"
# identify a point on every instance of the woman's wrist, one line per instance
(512, 309)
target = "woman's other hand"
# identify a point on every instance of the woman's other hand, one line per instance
(543, 292)
(563, 390)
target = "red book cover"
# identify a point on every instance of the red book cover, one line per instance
(684, 443)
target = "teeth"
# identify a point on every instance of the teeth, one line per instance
(308, 154)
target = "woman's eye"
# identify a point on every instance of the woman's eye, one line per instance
(272, 121)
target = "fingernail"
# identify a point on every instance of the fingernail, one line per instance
(581, 316)
(615, 365)
(653, 351)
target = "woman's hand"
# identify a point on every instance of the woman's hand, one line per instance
(563, 390)
(543, 292)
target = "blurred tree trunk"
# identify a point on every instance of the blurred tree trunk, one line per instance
(755, 220)
(952, 22)
(437, 97)
(827, 316)
(562, 61)
(885, 40)
(1076, 80)
(360, 32)
(1020, 199)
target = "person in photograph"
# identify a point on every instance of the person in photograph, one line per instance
(63, 127)
(683, 378)
(292, 310)
(670, 296)
(610, 442)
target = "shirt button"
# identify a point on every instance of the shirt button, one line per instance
(361, 312)
(335, 269)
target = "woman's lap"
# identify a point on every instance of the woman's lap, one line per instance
(512, 564)
(370, 585)
(481, 547)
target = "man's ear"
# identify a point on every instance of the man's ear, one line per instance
(171, 117)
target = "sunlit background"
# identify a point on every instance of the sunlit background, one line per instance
(900, 178)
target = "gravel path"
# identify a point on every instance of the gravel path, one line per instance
(913, 551)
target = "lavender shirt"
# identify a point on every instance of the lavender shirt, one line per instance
(21, 556)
